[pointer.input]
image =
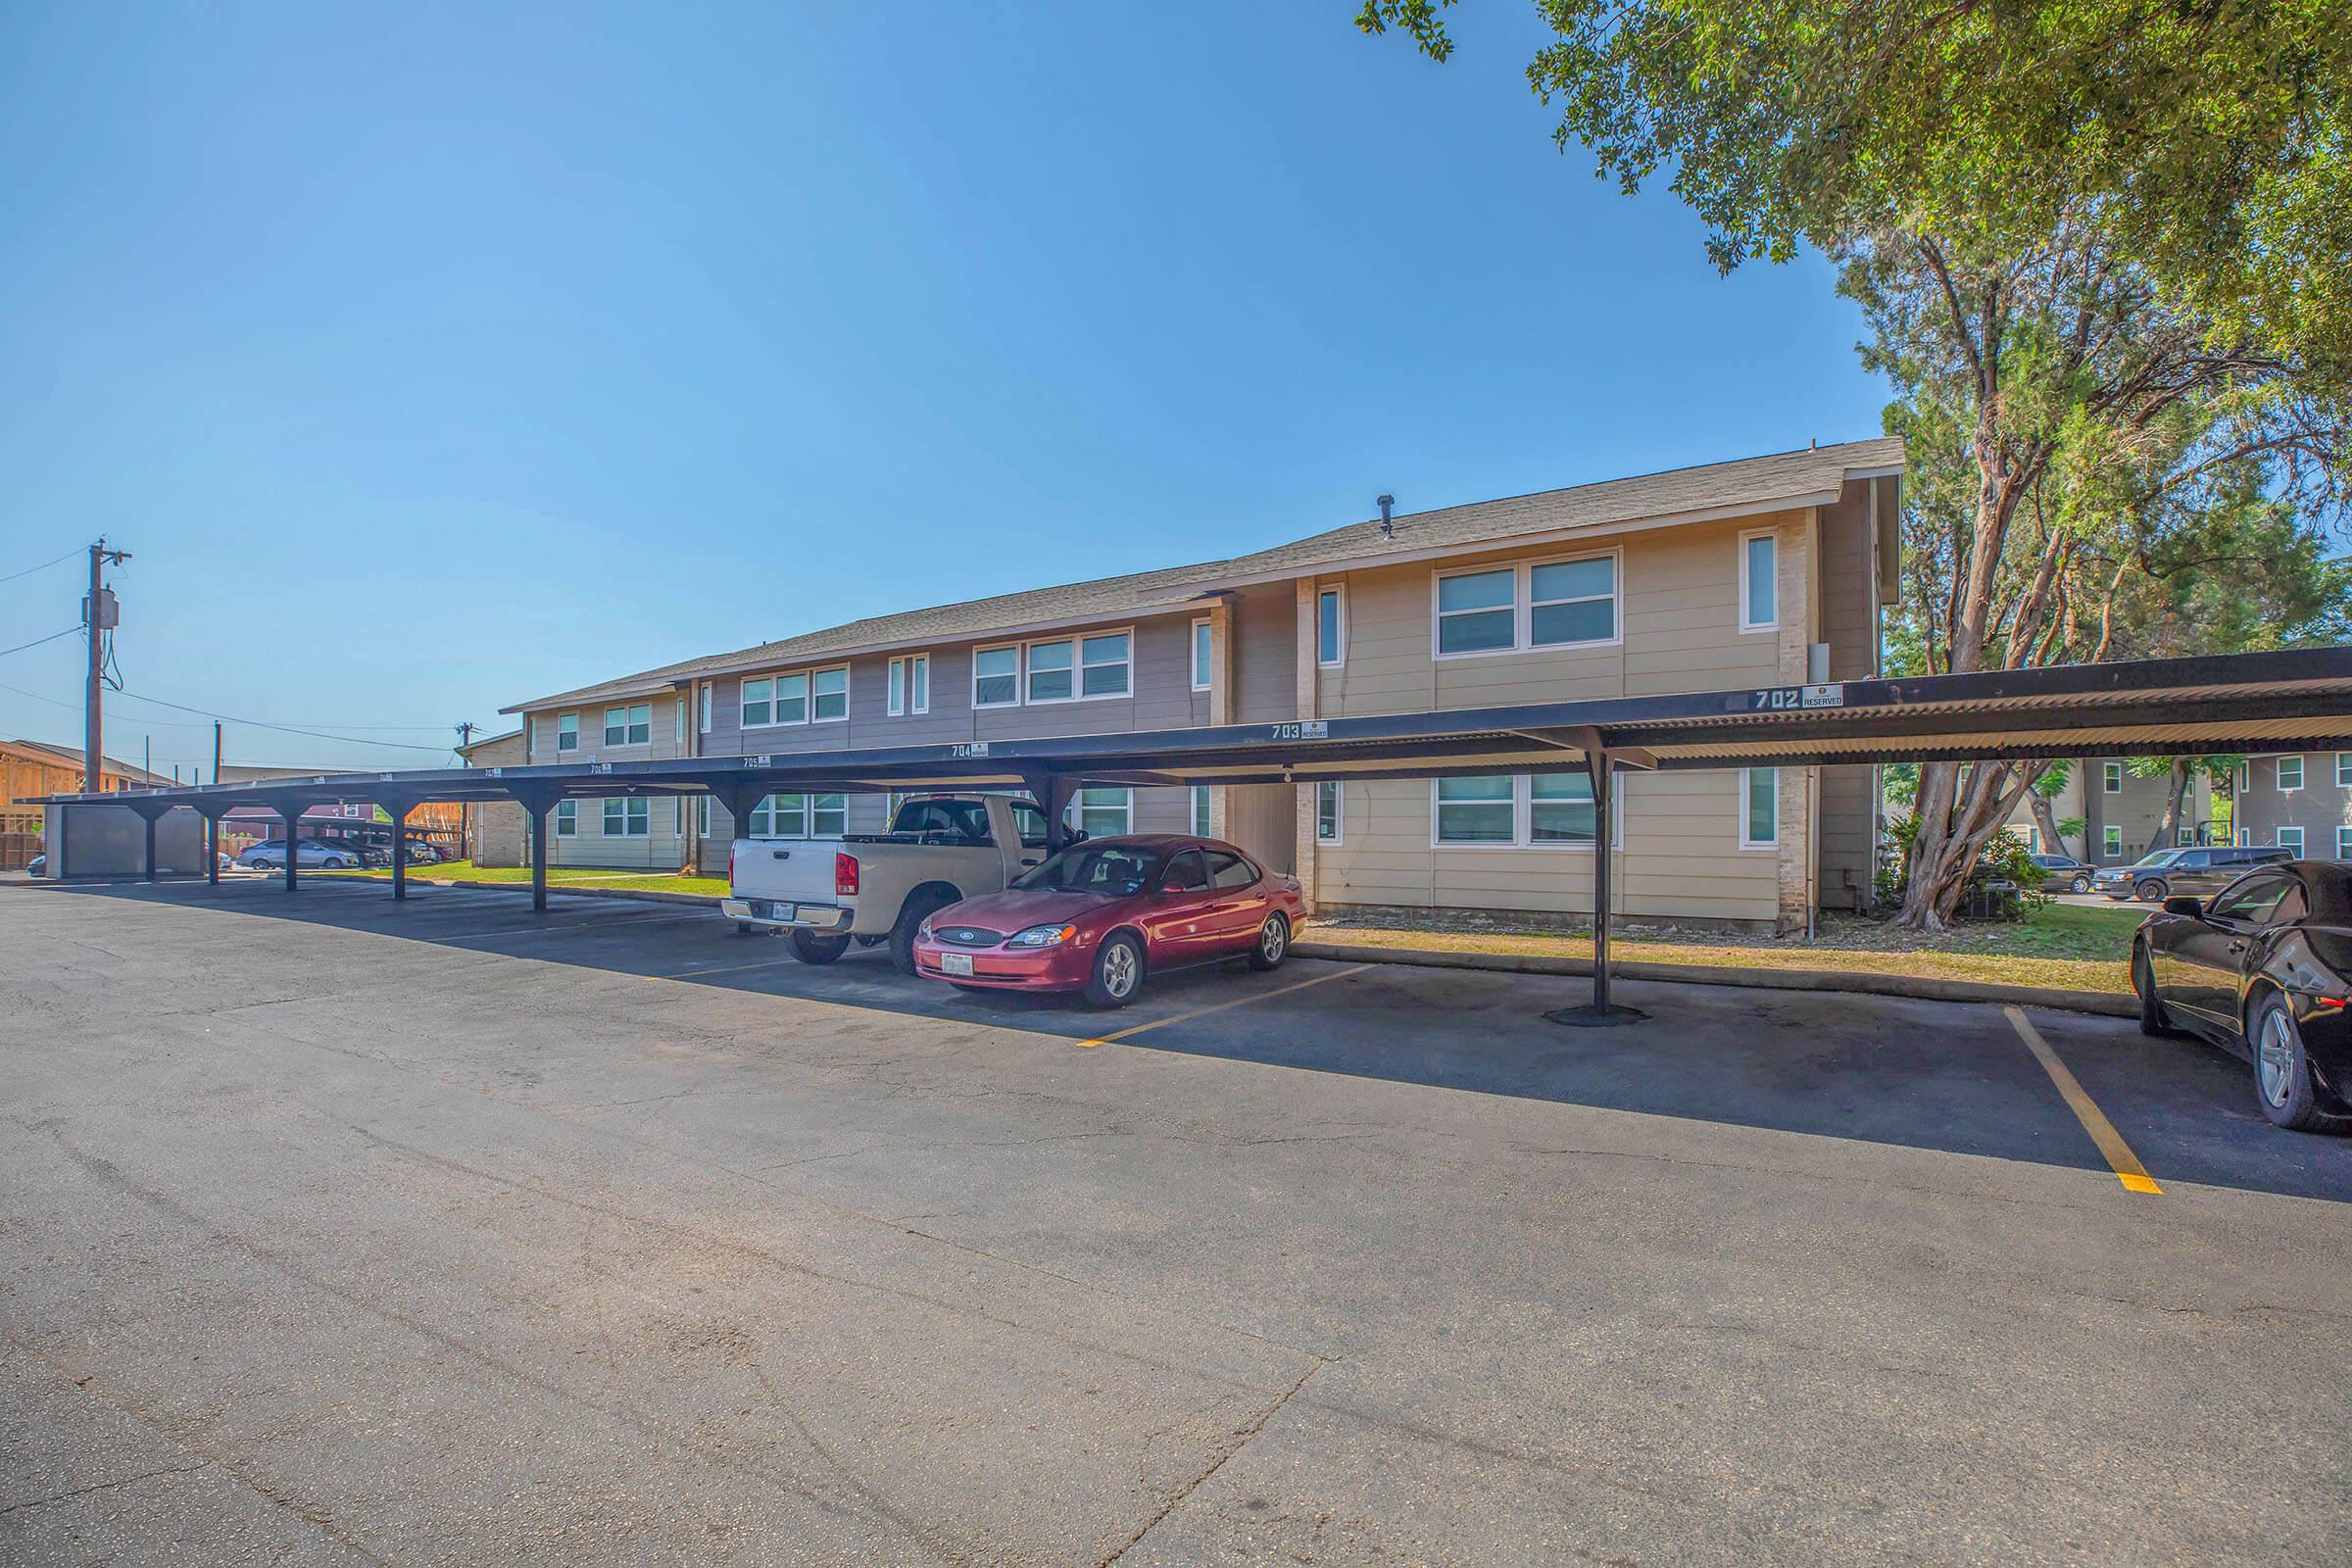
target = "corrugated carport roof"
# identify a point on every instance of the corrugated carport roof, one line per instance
(2281, 702)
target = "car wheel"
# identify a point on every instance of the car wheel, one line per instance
(810, 948)
(2153, 1019)
(1118, 972)
(260, 864)
(2081, 884)
(918, 908)
(2282, 1081)
(1273, 944)
(2150, 892)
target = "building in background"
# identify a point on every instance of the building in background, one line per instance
(2122, 812)
(494, 834)
(2301, 801)
(1771, 571)
(37, 767)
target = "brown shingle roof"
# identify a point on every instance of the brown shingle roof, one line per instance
(1746, 485)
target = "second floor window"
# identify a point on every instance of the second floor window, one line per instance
(2112, 777)
(628, 726)
(568, 732)
(1476, 611)
(1546, 604)
(2291, 772)
(996, 677)
(2343, 770)
(1331, 627)
(1759, 582)
(1204, 652)
(831, 693)
(910, 684)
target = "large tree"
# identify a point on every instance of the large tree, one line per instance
(2105, 252)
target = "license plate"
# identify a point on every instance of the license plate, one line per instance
(955, 963)
(779, 912)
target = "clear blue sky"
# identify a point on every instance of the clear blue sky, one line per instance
(432, 358)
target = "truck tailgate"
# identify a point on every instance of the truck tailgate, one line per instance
(798, 872)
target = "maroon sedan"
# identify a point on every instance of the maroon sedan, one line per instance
(1100, 915)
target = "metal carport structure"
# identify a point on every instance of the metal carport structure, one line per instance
(2298, 699)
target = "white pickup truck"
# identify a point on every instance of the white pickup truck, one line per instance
(877, 887)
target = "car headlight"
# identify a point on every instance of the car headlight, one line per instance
(922, 933)
(1042, 936)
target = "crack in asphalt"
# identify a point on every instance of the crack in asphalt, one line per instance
(1235, 1443)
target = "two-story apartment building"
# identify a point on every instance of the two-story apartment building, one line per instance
(2120, 809)
(1765, 571)
(2300, 801)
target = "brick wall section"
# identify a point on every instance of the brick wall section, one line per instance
(1799, 602)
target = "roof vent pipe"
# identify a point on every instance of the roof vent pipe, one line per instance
(1388, 530)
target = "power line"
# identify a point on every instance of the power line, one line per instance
(287, 729)
(70, 631)
(44, 565)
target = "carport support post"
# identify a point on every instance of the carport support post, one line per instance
(536, 803)
(1602, 780)
(148, 818)
(212, 844)
(399, 811)
(1053, 792)
(290, 812)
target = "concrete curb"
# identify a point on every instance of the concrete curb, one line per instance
(1921, 987)
(706, 900)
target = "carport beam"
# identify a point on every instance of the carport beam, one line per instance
(538, 809)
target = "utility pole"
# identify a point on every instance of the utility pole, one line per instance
(101, 615)
(465, 811)
(215, 750)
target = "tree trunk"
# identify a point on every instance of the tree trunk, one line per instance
(2168, 831)
(2052, 842)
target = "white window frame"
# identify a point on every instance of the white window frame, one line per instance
(1523, 605)
(2111, 778)
(1075, 812)
(2245, 836)
(2343, 770)
(907, 693)
(629, 713)
(2184, 837)
(706, 689)
(2343, 843)
(567, 819)
(702, 807)
(1127, 665)
(1338, 593)
(816, 718)
(1204, 655)
(1014, 649)
(2245, 777)
(643, 813)
(2279, 837)
(1339, 812)
(561, 747)
(2111, 840)
(1202, 814)
(1029, 671)
(1740, 809)
(1522, 821)
(1746, 591)
(681, 723)
(2279, 772)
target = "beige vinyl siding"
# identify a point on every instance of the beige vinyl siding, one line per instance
(1681, 856)
(1265, 635)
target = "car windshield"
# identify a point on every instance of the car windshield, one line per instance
(1114, 870)
(2160, 858)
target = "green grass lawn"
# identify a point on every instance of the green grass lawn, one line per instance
(2060, 946)
(558, 876)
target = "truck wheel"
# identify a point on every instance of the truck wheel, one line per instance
(1118, 973)
(809, 948)
(912, 915)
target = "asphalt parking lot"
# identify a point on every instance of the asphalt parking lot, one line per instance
(346, 1232)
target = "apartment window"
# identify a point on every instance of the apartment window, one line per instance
(2343, 770)
(2291, 838)
(801, 816)
(1759, 807)
(2245, 836)
(1547, 604)
(2245, 777)
(629, 726)
(1102, 812)
(1203, 655)
(2184, 837)
(1049, 679)
(758, 702)
(1331, 627)
(1572, 602)
(702, 803)
(2290, 773)
(910, 684)
(1560, 809)
(706, 687)
(567, 819)
(1200, 812)
(1759, 581)
(626, 816)
(1329, 808)
(1476, 611)
(681, 723)
(2343, 843)
(996, 677)
(2112, 777)
(832, 694)
(568, 732)
(1477, 810)
(1104, 665)
(2111, 842)
(777, 700)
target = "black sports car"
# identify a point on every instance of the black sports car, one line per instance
(2265, 968)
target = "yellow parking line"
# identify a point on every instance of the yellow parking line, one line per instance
(2128, 1168)
(1221, 1006)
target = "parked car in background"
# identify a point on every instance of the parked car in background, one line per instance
(2063, 873)
(877, 887)
(2264, 969)
(38, 865)
(2156, 876)
(271, 855)
(1099, 917)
